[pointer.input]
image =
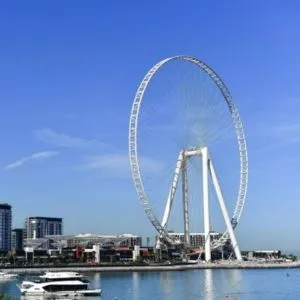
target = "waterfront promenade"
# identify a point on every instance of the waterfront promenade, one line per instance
(157, 268)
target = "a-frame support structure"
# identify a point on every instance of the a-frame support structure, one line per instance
(207, 170)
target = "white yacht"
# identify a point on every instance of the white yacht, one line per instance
(66, 284)
(7, 276)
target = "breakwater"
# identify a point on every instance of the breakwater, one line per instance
(157, 268)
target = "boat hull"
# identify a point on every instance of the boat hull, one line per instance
(72, 294)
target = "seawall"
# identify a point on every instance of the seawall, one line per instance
(157, 268)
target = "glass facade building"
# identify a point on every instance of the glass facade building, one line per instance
(5, 227)
(39, 227)
(17, 237)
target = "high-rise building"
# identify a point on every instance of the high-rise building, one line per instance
(39, 227)
(5, 227)
(17, 237)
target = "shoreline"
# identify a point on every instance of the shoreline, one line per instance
(155, 268)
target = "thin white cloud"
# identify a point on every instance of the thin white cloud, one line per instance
(286, 133)
(61, 139)
(274, 129)
(287, 128)
(117, 165)
(274, 135)
(38, 156)
(163, 127)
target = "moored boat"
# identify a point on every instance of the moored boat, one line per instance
(60, 284)
(7, 276)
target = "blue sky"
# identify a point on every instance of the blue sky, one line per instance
(69, 72)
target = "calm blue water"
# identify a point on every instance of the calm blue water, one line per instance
(193, 284)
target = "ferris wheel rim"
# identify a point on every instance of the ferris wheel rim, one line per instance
(239, 132)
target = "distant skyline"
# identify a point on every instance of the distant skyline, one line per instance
(68, 77)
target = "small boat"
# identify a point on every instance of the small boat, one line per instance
(59, 284)
(7, 276)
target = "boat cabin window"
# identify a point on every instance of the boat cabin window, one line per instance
(65, 287)
(27, 286)
(60, 279)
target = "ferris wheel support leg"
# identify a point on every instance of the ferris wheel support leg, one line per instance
(185, 202)
(225, 212)
(206, 205)
(172, 191)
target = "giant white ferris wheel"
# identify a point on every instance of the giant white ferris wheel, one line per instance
(201, 151)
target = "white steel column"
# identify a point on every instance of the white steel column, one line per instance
(185, 202)
(206, 204)
(225, 212)
(172, 191)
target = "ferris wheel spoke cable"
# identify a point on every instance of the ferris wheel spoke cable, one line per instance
(211, 134)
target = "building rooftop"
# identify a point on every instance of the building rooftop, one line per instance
(129, 235)
(5, 206)
(85, 237)
(192, 233)
(45, 218)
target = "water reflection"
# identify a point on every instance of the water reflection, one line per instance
(166, 282)
(3, 286)
(235, 278)
(8, 287)
(231, 282)
(208, 285)
(234, 281)
(96, 281)
(135, 291)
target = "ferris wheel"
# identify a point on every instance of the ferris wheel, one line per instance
(197, 148)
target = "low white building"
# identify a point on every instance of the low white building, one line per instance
(197, 239)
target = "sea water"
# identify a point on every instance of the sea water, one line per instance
(268, 284)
